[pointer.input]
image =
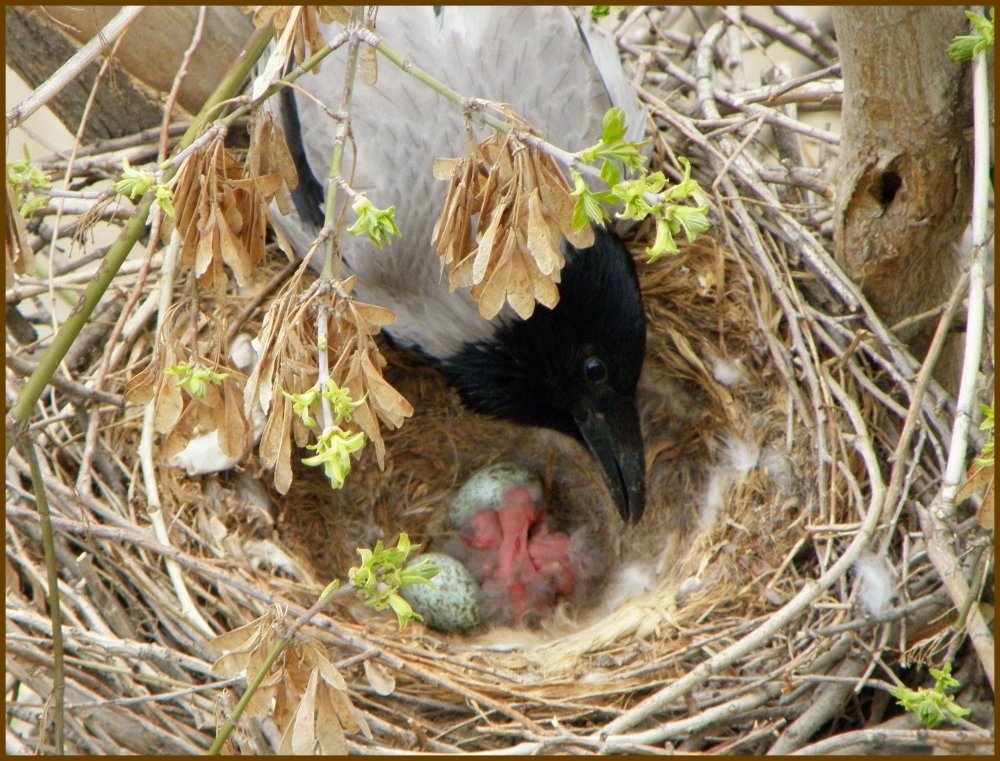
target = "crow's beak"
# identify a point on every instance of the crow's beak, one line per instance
(609, 424)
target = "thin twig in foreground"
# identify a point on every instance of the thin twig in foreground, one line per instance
(55, 612)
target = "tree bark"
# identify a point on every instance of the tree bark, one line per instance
(130, 98)
(904, 189)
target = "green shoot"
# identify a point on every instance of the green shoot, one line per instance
(590, 205)
(195, 378)
(645, 195)
(382, 574)
(378, 224)
(25, 176)
(340, 400)
(965, 47)
(333, 450)
(334, 446)
(597, 12)
(932, 706)
(613, 146)
(302, 403)
(135, 183)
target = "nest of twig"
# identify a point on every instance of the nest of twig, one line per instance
(737, 617)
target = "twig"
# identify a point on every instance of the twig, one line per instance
(728, 712)
(134, 327)
(90, 439)
(67, 175)
(20, 412)
(25, 367)
(787, 39)
(800, 177)
(153, 505)
(829, 91)
(178, 79)
(137, 141)
(826, 704)
(791, 610)
(277, 649)
(822, 263)
(55, 610)
(809, 28)
(939, 549)
(898, 458)
(955, 469)
(337, 154)
(741, 164)
(109, 645)
(258, 298)
(70, 70)
(934, 520)
(751, 134)
(865, 741)
(751, 109)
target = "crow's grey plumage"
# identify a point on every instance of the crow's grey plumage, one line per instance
(573, 368)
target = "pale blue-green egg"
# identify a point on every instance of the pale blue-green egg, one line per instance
(486, 488)
(450, 603)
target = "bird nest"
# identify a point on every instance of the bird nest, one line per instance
(788, 570)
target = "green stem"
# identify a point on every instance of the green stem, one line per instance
(20, 413)
(337, 158)
(70, 329)
(438, 86)
(230, 724)
(231, 83)
(303, 68)
(55, 611)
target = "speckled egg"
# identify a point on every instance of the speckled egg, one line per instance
(486, 488)
(451, 602)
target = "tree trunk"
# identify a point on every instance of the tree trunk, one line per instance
(903, 195)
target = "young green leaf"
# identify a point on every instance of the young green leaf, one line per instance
(692, 220)
(614, 126)
(967, 46)
(986, 457)
(340, 399)
(588, 208)
(333, 450)
(663, 243)
(378, 224)
(382, 574)
(25, 176)
(932, 706)
(302, 403)
(195, 378)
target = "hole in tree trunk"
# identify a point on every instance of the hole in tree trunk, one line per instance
(884, 187)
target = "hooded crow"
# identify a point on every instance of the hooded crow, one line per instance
(572, 368)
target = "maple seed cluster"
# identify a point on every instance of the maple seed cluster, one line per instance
(288, 368)
(305, 694)
(525, 209)
(190, 397)
(222, 205)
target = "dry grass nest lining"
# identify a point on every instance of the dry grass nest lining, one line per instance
(794, 497)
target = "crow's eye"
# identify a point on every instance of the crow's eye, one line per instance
(594, 371)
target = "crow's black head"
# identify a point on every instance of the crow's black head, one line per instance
(573, 368)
